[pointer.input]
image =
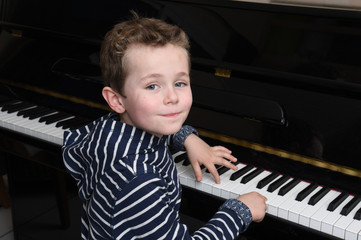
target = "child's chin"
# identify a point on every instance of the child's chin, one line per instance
(171, 131)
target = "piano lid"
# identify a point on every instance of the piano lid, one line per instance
(290, 63)
(297, 42)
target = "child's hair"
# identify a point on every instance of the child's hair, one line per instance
(144, 31)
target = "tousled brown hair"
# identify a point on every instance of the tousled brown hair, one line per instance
(146, 31)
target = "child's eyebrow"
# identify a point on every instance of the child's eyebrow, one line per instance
(151, 75)
(181, 74)
(158, 75)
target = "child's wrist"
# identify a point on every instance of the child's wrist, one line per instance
(241, 209)
(181, 136)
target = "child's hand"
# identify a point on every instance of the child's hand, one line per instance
(200, 153)
(256, 203)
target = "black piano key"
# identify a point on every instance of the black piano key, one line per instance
(285, 189)
(305, 192)
(34, 112)
(216, 166)
(251, 175)
(79, 124)
(350, 205)
(41, 113)
(337, 201)
(25, 112)
(267, 180)
(358, 215)
(276, 184)
(67, 123)
(54, 117)
(222, 170)
(186, 162)
(239, 173)
(16, 107)
(173, 150)
(180, 157)
(64, 123)
(318, 196)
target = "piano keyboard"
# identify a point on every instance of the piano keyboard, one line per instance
(317, 207)
(37, 121)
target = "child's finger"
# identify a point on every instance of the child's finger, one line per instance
(221, 148)
(214, 173)
(229, 165)
(197, 171)
(224, 153)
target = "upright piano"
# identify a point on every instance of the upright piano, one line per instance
(280, 85)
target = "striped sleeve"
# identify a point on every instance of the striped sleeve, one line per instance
(181, 136)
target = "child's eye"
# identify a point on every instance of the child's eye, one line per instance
(152, 87)
(180, 84)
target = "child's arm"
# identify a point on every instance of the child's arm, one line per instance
(200, 153)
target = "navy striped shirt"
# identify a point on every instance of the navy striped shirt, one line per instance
(128, 183)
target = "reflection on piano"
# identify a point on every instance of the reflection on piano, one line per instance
(279, 85)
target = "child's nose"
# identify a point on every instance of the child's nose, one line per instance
(171, 96)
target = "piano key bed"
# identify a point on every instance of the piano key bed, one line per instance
(329, 211)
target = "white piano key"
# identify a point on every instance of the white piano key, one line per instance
(181, 168)
(288, 200)
(219, 189)
(47, 132)
(8, 119)
(252, 187)
(339, 228)
(226, 189)
(353, 231)
(206, 183)
(187, 178)
(321, 213)
(222, 189)
(307, 214)
(242, 188)
(298, 207)
(179, 165)
(272, 207)
(331, 218)
(269, 195)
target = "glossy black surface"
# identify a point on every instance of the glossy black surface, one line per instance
(297, 70)
(294, 72)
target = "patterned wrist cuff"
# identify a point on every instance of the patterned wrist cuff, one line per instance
(243, 212)
(181, 136)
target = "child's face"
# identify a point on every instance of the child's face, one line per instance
(157, 89)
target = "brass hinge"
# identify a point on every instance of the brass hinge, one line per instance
(222, 72)
(16, 33)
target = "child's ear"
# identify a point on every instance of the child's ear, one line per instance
(113, 99)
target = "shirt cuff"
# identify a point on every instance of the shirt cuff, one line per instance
(243, 212)
(180, 137)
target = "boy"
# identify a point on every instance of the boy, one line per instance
(124, 170)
